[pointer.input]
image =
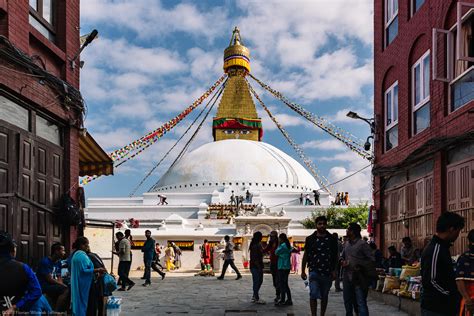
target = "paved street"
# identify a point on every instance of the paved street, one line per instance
(183, 293)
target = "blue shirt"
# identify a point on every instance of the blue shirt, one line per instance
(45, 267)
(33, 291)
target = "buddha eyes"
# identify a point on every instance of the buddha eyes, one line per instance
(231, 131)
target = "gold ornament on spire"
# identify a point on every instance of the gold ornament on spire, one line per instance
(236, 55)
(237, 117)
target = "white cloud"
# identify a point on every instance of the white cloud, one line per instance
(136, 109)
(127, 56)
(358, 184)
(324, 145)
(149, 19)
(117, 138)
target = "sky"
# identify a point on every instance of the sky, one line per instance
(154, 58)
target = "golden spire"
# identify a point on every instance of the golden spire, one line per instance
(237, 117)
(236, 55)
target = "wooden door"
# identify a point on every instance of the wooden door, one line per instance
(23, 217)
(7, 177)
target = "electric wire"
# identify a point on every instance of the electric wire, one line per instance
(323, 181)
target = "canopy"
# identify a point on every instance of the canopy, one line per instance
(93, 160)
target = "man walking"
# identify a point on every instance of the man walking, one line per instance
(124, 261)
(320, 255)
(229, 259)
(357, 258)
(337, 281)
(440, 296)
(148, 250)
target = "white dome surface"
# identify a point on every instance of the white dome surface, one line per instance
(237, 161)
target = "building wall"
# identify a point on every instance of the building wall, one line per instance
(398, 213)
(31, 221)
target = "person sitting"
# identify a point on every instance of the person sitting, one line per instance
(19, 287)
(407, 251)
(49, 276)
(394, 259)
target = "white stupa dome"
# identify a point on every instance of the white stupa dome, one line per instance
(236, 162)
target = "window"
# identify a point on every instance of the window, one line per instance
(462, 88)
(415, 5)
(421, 93)
(42, 17)
(14, 113)
(391, 20)
(391, 117)
(48, 130)
(457, 67)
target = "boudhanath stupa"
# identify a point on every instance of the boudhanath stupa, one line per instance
(202, 186)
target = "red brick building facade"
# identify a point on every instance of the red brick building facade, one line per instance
(41, 120)
(424, 111)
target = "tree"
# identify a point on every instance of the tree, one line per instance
(339, 217)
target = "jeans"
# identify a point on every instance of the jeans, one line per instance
(148, 271)
(284, 288)
(123, 271)
(355, 297)
(276, 282)
(155, 265)
(257, 279)
(228, 262)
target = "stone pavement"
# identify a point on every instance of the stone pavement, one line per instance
(185, 294)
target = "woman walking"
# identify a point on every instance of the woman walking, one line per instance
(256, 266)
(283, 252)
(169, 257)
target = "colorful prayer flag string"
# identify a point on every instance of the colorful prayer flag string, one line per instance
(322, 180)
(352, 142)
(152, 137)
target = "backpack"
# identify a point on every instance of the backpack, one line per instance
(69, 213)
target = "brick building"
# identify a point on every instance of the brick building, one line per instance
(43, 146)
(424, 111)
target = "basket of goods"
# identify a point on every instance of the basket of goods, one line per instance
(409, 271)
(391, 283)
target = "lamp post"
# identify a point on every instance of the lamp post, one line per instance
(370, 121)
(367, 145)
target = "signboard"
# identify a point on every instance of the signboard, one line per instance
(237, 240)
(184, 245)
(213, 243)
(138, 244)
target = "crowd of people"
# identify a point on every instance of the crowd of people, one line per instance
(341, 198)
(76, 283)
(80, 283)
(448, 287)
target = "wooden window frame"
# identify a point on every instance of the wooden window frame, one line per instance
(426, 99)
(38, 15)
(394, 121)
(413, 7)
(389, 17)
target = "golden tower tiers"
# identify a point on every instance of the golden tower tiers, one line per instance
(237, 117)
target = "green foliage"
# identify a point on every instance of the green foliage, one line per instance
(340, 217)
